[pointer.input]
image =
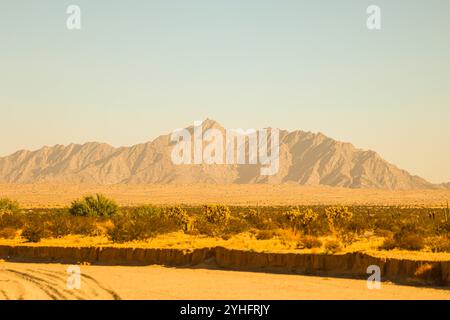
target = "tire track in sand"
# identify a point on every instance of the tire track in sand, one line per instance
(23, 283)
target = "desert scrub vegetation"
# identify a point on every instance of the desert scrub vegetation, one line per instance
(410, 236)
(302, 220)
(214, 220)
(309, 242)
(328, 228)
(9, 206)
(178, 217)
(94, 206)
(146, 222)
(332, 246)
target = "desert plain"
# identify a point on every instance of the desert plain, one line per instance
(42, 195)
(47, 280)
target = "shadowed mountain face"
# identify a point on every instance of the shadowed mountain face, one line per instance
(305, 158)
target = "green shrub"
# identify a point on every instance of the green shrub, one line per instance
(96, 206)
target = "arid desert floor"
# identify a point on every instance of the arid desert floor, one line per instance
(61, 195)
(49, 281)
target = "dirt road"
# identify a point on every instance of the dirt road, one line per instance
(49, 281)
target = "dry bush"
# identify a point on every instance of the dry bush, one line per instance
(61, 223)
(443, 228)
(388, 244)
(206, 228)
(438, 244)
(33, 233)
(87, 226)
(332, 246)
(129, 227)
(11, 216)
(410, 242)
(383, 233)
(265, 234)
(177, 216)
(256, 219)
(12, 220)
(409, 236)
(214, 220)
(288, 237)
(338, 219)
(37, 226)
(302, 220)
(8, 205)
(347, 238)
(309, 242)
(217, 214)
(8, 233)
(146, 222)
(235, 225)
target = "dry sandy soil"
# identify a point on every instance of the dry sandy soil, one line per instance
(48, 281)
(56, 195)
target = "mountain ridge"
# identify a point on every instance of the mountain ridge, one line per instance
(306, 158)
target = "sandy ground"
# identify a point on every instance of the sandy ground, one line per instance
(57, 195)
(49, 281)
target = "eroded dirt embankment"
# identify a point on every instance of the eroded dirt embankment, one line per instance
(349, 264)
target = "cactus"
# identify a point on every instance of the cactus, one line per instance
(447, 213)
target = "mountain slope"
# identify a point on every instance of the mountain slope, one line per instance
(305, 158)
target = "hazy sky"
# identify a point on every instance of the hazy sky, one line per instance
(138, 69)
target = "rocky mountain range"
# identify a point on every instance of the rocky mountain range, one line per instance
(304, 158)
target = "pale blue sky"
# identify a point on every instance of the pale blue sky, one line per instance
(138, 69)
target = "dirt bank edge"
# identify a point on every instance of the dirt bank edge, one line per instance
(349, 264)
